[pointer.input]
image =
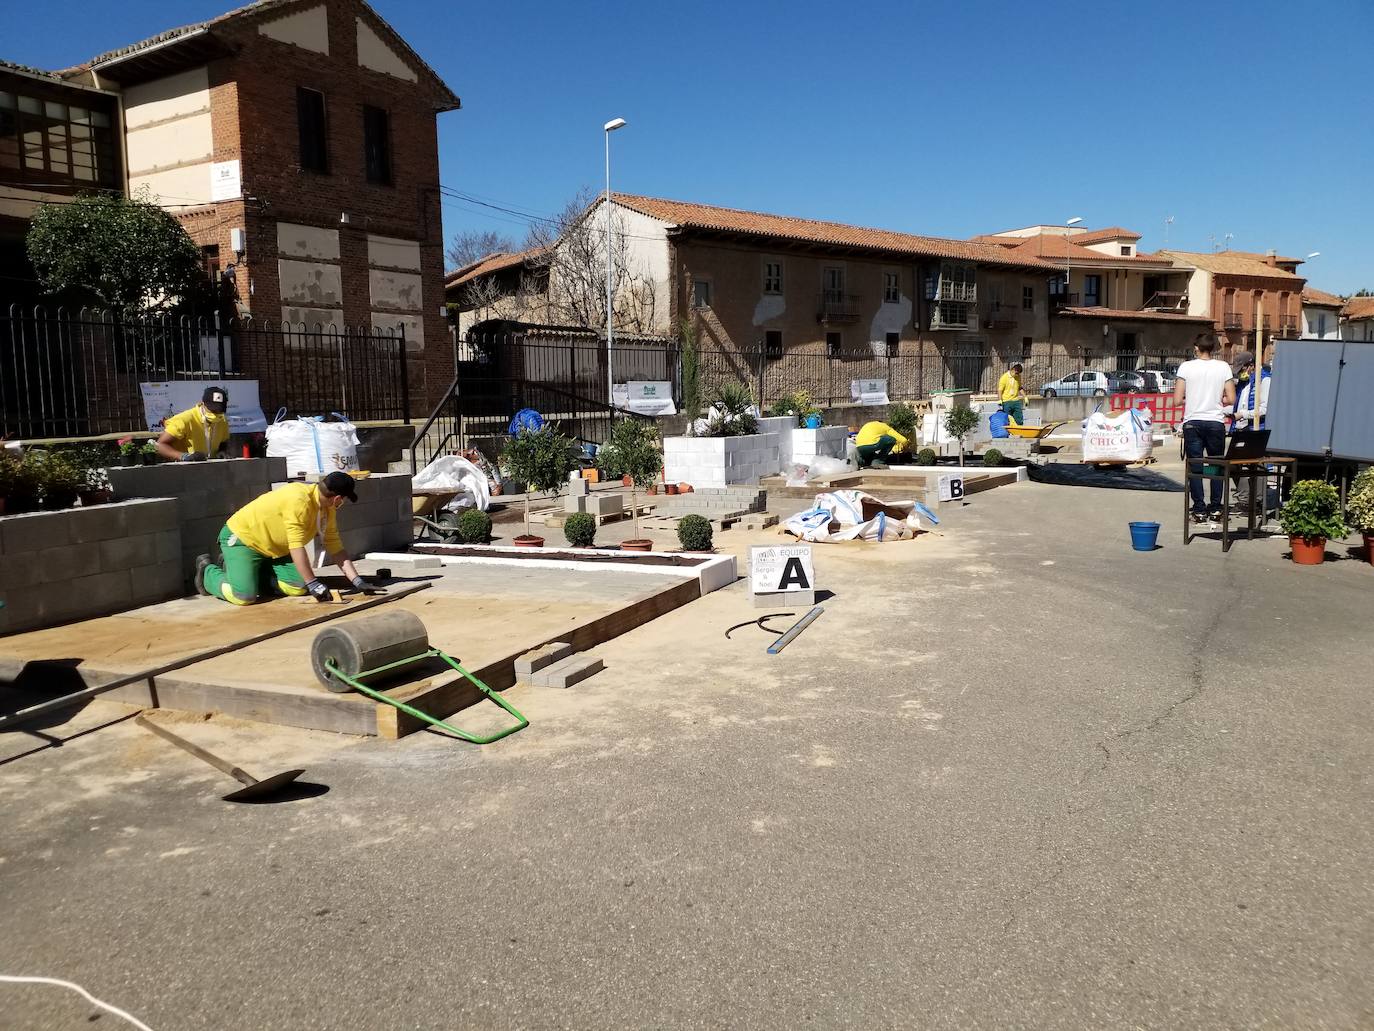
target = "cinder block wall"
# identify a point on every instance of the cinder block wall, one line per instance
(206, 495)
(57, 567)
(381, 520)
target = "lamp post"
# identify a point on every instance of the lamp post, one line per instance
(609, 127)
(1069, 222)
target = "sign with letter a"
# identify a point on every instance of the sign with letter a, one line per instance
(782, 574)
(951, 488)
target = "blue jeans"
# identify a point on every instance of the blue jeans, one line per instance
(1202, 438)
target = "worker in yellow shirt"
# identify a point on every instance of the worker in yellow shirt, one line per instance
(198, 433)
(875, 443)
(1011, 394)
(263, 544)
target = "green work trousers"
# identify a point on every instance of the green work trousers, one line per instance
(248, 575)
(1015, 409)
(880, 449)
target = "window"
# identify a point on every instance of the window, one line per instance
(1092, 291)
(892, 288)
(1126, 251)
(1026, 347)
(377, 145)
(209, 260)
(834, 344)
(1028, 298)
(53, 143)
(772, 344)
(310, 121)
(893, 342)
(772, 277)
(701, 293)
(832, 280)
(956, 297)
(1321, 325)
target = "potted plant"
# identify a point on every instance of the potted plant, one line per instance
(129, 452)
(992, 457)
(633, 448)
(732, 410)
(926, 456)
(472, 527)
(540, 459)
(20, 481)
(580, 529)
(148, 452)
(96, 490)
(1311, 517)
(60, 480)
(1359, 510)
(694, 533)
(959, 423)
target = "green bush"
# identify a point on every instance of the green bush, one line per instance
(926, 456)
(694, 533)
(472, 527)
(992, 456)
(902, 418)
(1359, 508)
(580, 529)
(1313, 511)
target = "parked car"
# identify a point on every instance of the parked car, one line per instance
(1130, 382)
(1158, 381)
(1082, 384)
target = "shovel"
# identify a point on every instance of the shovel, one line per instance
(254, 790)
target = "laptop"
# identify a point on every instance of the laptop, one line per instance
(1248, 445)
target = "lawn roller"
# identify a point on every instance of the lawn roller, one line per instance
(377, 648)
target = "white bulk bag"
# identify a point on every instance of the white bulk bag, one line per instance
(311, 445)
(1124, 437)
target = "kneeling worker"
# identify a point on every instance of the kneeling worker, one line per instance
(263, 544)
(198, 433)
(875, 443)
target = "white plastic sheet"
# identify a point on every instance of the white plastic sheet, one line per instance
(850, 515)
(449, 472)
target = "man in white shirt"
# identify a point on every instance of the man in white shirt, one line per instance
(1207, 392)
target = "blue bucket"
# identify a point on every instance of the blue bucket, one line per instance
(1144, 536)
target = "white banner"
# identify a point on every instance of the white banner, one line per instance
(161, 400)
(645, 397)
(868, 391)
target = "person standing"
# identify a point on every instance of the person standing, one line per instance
(1012, 395)
(1207, 392)
(198, 433)
(1252, 406)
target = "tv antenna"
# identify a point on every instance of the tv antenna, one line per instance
(1168, 221)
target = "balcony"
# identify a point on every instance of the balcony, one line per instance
(1233, 320)
(837, 307)
(953, 315)
(1288, 325)
(1064, 300)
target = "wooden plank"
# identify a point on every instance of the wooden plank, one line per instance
(443, 699)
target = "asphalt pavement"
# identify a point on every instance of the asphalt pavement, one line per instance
(1017, 775)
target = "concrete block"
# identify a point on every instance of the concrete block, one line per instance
(96, 595)
(167, 545)
(35, 531)
(546, 655)
(276, 470)
(126, 552)
(160, 581)
(422, 562)
(578, 487)
(575, 503)
(200, 535)
(24, 569)
(566, 672)
(605, 504)
(152, 515)
(99, 522)
(70, 561)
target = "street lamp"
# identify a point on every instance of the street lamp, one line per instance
(609, 127)
(1069, 222)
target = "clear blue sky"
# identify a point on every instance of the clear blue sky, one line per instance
(946, 118)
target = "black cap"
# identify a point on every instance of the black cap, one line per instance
(215, 399)
(340, 485)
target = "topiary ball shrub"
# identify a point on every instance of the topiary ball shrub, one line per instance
(580, 529)
(992, 456)
(473, 527)
(926, 456)
(694, 533)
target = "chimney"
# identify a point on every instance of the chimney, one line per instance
(1271, 258)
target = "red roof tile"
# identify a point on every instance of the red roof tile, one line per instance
(1359, 308)
(494, 262)
(1057, 249)
(1103, 235)
(1320, 298)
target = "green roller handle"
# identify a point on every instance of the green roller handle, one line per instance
(410, 710)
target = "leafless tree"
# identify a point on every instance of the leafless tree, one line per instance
(576, 260)
(472, 244)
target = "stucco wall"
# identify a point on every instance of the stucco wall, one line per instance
(169, 137)
(308, 29)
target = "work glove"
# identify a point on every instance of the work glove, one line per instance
(359, 584)
(193, 456)
(317, 590)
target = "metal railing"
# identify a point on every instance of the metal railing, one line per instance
(77, 374)
(1288, 323)
(837, 306)
(1233, 320)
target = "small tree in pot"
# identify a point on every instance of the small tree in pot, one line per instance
(1359, 509)
(959, 423)
(1311, 517)
(540, 459)
(633, 449)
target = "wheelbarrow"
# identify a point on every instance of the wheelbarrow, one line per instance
(363, 652)
(431, 522)
(1034, 432)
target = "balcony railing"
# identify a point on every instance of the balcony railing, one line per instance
(1288, 323)
(1233, 320)
(1267, 320)
(838, 307)
(953, 315)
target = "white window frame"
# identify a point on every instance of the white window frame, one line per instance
(956, 297)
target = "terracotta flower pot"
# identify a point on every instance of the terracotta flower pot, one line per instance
(652, 489)
(528, 540)
(637, 545)
(1308, 551)
(670, 488)
(626, 481)
(58, 500)
(685, 488)
(1369, 546)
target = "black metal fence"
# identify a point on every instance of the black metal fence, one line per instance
(76, 374)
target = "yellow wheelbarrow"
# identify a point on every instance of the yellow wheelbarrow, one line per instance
(431, 522)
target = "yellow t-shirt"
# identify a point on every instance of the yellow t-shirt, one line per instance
(1009, 386)
(870, 432)
(275, 522)
(198, 431)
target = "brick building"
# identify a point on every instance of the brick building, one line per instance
(1250, 298)
(296, 141)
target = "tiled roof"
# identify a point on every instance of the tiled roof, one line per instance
(13, 66)
(1103, 235)
(1320, 298)
(1057, 249)
(1122, 314)
(754, 223)
(494, 262)
(257, 7)
(1232, 263)
(1359, 308)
